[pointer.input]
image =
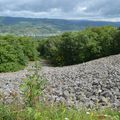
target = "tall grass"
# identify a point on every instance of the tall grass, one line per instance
(54, 112)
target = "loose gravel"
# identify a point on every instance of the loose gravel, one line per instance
(91, 84)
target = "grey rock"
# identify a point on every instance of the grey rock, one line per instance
(74, 85)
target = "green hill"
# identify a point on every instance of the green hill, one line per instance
(45, 27)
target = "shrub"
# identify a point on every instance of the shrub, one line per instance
(116, 43)
(32, 87)
(77, 47)
(15, 52)
(48, 49)
(105, 39)
(29, 47)
(12, 57)
(69, 49)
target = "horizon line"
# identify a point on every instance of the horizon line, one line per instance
(74, 19)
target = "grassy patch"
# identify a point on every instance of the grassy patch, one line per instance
(55, 112)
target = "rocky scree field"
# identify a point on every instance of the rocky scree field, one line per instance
(90, 84)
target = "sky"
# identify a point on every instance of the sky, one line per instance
(108, 10)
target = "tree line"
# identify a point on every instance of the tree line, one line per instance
(78, 47)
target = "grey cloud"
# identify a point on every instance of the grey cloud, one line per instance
(38, 5)
(105, 8)
(85, 9)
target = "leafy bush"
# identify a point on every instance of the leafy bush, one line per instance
(116, 42)
(77, 47)
(29, 47)
(48, 48)
(15, 52)
(32, 87)
(12, 57)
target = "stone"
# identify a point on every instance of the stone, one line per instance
(76, 84)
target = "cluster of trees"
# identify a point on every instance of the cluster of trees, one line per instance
(15, 52)
(77, 47)
(66, 49)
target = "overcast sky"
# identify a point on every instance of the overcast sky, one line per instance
(64, 9)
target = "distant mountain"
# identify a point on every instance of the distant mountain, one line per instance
(44, 27)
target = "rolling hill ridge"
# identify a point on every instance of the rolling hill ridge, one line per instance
(44, 26)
